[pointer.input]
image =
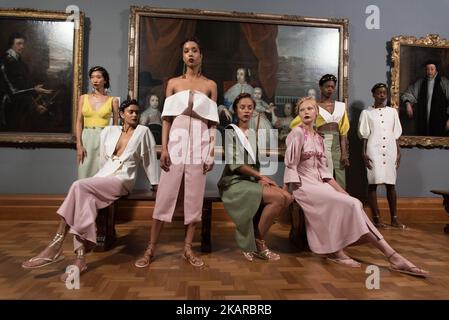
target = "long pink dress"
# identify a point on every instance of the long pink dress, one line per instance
(188, 147)
(334, 220)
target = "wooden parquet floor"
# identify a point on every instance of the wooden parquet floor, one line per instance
(298, 275)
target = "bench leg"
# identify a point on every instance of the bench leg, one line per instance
(105, 228)
(298, 233)
(206, 224)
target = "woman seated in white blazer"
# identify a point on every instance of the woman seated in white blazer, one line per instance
(122, 148)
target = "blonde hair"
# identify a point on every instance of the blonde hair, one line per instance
(304, 99)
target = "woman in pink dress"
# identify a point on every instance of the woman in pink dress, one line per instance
(190, 118)
(334, 219)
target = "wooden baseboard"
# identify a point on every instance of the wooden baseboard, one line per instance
(43, 207)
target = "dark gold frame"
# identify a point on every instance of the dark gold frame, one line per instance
(139, 12)
(429, 41)
(51, 139)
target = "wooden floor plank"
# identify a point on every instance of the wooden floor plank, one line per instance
(227, 276)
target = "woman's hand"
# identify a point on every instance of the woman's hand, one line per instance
(165, 161)
(265, 181)
(367, 161)
(208, 164)
(398, 160)
(344, 161)
(81, 153)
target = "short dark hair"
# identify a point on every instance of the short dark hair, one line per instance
(193, 39)
(326, 78)
(240, 97)
(125, 104)
(104, 73)
(377, 86)
(14, 36)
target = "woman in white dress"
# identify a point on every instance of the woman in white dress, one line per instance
(380, 129)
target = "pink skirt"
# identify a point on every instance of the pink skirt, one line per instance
(334, 220)
(188, 147)
(85, 198)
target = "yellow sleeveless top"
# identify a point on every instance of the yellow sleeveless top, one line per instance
(99, 118)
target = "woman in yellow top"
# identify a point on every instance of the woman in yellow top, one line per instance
(94, 113)
(333, 123)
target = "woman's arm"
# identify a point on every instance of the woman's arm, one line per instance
(165, 161)
(209, 163)
(115, 107)
(251, 172)
(80, 150)
(366, 160)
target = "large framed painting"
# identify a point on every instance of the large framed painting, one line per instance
(40, 76)
(420, 89)
(277, 58)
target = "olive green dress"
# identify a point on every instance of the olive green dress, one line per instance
(241, 194)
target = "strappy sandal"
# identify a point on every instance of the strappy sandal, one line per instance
(266, 254)
(396, 224)
(346, 262)
(190, 257)
(147, 257)
(379, 224)
(45, 261)
(248, 256)
(410, 270)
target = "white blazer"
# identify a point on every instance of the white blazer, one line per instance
(140, 148)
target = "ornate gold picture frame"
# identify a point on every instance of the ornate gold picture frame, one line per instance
(408, 58)
(283, 55)
(41, 61)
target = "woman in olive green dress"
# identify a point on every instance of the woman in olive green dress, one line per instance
(252, 200)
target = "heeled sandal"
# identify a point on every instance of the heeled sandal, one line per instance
(266, 254)
(410, 270)
(58, 238)
(147, 257)
(190, 257)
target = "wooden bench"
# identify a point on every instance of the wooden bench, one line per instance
(106, 234)
(445, 194)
